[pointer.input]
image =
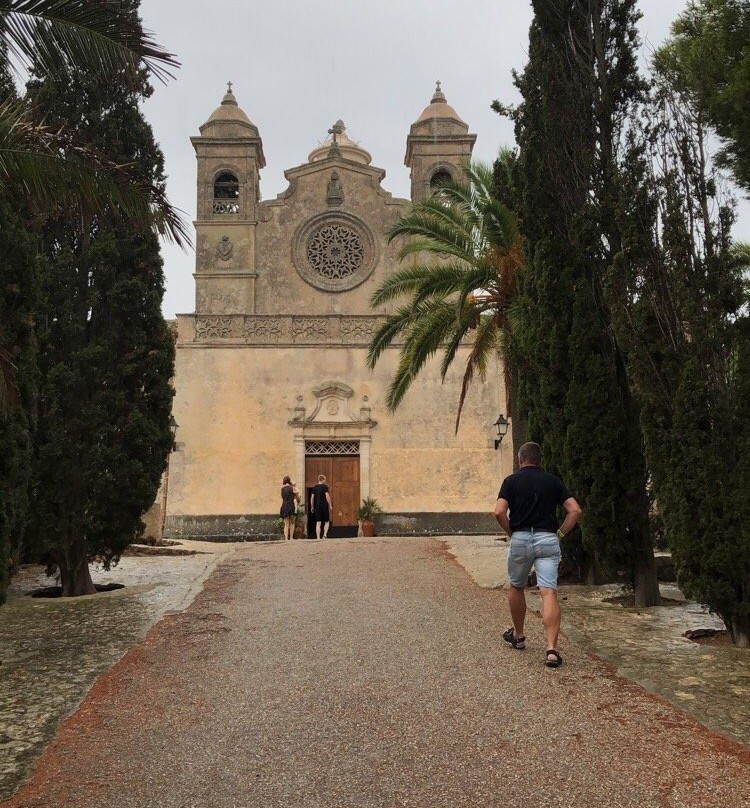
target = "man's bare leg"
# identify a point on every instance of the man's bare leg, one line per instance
(550, 615)
(517, 603)
(325, 530)
(318, 525)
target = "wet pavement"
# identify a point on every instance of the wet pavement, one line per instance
(53, 649)
(710, 682)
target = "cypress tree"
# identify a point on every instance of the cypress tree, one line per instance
(106, 356)
(688, 328)
(18, 266)
(577, 88)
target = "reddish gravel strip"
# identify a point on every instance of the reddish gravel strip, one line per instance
(369, 673)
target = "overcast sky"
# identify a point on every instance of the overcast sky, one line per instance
(299, 65)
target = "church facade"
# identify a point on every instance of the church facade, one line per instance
(271, 376)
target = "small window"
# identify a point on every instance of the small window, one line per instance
(226, 193)
(439, 178)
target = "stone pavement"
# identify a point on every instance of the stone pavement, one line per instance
(711, 682)
(52, 650)
(369, 673)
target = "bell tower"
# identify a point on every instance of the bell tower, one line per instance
(229, 152)
(437, 143)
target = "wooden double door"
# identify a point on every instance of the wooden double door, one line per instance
(342, 477)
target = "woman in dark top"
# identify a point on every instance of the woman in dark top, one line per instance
(289, 500)
(320, 505)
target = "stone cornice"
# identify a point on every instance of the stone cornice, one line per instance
(274, 330)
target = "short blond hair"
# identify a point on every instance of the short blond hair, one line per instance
(530, 453)
(321, 478)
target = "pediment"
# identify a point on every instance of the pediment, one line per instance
(334, 164)
(332, 406)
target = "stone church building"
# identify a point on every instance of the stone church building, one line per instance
(271, 376)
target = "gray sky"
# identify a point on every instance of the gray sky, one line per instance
(299, 65)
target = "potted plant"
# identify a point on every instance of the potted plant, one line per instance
(300, 523)
(366, 515)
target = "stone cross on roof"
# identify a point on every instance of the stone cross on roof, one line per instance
(336, 130)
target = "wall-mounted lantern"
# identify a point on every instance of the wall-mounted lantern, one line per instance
(502, 430)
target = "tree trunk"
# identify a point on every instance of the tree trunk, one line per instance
(739, 630)
(594, 575)
(518, 424)
(75, 575)
(645, 585)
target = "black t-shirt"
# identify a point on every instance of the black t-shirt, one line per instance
(533, 495)
(321, 503)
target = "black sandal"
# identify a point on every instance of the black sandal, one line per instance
(519, 643)
(553, 663)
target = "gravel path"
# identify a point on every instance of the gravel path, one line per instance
(369, 673)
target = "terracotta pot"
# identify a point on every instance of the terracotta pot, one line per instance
(368, 528)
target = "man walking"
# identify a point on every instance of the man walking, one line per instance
(526, 509)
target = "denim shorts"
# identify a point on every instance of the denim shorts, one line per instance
(537, 548)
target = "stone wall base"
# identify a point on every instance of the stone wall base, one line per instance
(261, 527)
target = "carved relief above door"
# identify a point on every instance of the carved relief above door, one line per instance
(338, 439)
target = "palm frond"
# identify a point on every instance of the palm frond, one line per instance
(400, 383)
(88, 34)
(442, 229)
(50, 167)
(422, 281)
(393, 326)
(399, 283)
(444, 282)
(500, 224)
(468, 319)
(422, 342)
(486, 340)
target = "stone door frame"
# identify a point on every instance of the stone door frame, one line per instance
(332, 420)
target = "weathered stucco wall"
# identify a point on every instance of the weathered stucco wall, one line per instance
(235, 442)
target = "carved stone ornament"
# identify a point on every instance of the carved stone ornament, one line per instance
(333, 407)
(357, 327)
(224, 248)
(212, 327)
(263, 330)
(334, 251)
(312, 328)
(335, 191)
(281, 329)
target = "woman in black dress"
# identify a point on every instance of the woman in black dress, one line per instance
(320, 505)
(289, 500)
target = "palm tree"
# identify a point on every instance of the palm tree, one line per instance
(43, 164)
(465, 296)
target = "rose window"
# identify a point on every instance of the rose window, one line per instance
(335, 251)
